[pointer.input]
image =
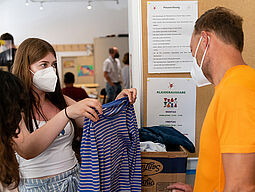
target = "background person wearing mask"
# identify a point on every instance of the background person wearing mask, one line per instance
(76, 93)
(227, 144)
(7, 56)
(125, 72)
(112, 74)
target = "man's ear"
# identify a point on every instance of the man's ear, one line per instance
(205, 39)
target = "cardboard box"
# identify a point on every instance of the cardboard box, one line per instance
(160, 169)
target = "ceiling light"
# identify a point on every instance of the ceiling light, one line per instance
(89, 5)
(26, 3)
(41, 6)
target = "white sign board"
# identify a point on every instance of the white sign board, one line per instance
(170, 26)
(172, 102)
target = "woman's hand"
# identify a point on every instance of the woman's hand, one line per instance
(180, 187)
(85, 108)
(131, 93)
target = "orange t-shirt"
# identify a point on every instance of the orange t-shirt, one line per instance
(229, 127)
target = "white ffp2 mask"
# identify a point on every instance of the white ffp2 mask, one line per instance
(196, 71)
(45, 79)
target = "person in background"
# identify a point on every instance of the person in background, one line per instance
(227, 144)
(125, 72)
(75, 93)
(112, 74)
(43, 145)
(13, 106)
(7, 56)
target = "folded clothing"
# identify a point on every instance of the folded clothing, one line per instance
(168, 136)
(149, 146)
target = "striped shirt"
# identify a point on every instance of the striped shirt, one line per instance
(110, 151)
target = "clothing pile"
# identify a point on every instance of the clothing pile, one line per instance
(149, 146)
(168, 136)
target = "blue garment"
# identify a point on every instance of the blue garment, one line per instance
(168, 136)
(110, 151)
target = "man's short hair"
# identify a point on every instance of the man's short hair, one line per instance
(7, 36)
(111, 50)
(226, 25)
(68, 78)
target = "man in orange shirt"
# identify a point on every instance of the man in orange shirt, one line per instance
(227, 142)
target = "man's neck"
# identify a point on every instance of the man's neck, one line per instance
(228, 58)
(112, 58)
(69, 84)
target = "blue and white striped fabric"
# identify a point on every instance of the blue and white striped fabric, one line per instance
(110, 151)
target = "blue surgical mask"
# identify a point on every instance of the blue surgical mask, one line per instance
(196, 71)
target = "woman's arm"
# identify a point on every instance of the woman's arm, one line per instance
(29, 145)
(92, 104)
(88, 110)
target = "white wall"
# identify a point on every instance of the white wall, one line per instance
(136, 57)
(63, 22)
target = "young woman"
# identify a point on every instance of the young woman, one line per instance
(13, 103)
(44, 152)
